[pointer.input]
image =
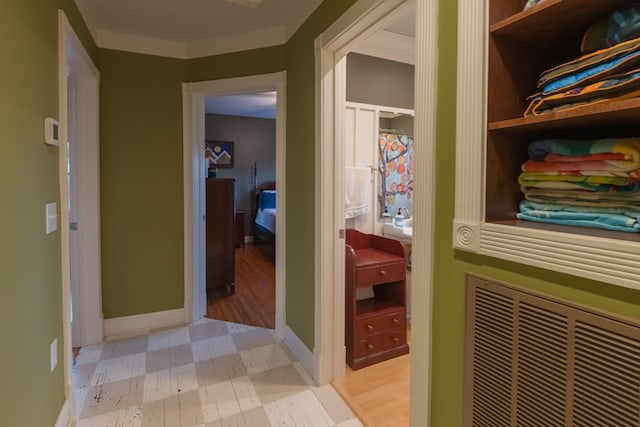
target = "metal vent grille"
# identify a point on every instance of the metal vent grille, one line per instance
(535, 361)
(607, 378)
(541, 370)
(492, 382)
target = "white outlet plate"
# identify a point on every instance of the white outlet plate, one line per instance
(54, 354)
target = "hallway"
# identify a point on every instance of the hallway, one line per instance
(210, 374)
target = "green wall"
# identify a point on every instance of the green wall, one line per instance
(141, 183)
(30, 275)
(300, 159)
(141, 171)
(450, 265)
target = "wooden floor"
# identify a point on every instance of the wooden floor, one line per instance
(378, 394)
(254, 300)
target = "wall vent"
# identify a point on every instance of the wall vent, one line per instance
(532, 360)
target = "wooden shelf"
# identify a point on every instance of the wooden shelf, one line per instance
(621, 113)
(517, 55)
(544, 23)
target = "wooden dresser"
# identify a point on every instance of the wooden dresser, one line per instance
(221, 240)
(375, 299)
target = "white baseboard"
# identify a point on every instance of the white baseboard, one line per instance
(63, 417)
(300, 350)
(128, 326)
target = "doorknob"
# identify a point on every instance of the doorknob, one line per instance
(73, 226)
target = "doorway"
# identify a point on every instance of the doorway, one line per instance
(246, 124)
(194, 96)
(357, 24)
(79, 196)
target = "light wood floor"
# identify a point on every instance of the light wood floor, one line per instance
(377, 394)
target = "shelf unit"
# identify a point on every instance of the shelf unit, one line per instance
(502, 51)
(375, 321)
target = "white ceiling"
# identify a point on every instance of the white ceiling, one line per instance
(191, 28)
(260, 105)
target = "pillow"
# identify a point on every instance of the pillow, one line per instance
(268, 199)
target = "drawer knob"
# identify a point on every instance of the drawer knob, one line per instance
(369, 327)
(382, 272)
(395, 339)
(395, 321)
(370, 347)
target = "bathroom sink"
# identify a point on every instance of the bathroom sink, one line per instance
(404, 234)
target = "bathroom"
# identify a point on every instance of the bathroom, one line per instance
(378, 152)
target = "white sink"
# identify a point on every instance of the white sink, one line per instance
(404, 234)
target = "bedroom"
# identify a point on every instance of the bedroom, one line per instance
(248, 136)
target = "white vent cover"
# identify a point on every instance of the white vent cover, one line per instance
(535, 361)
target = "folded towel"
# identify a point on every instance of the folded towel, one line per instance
(563, 216)
(626, 186)
(614, 209)
(357, 187)
(630, 206)
(530, 179)
(631, 197)
(580, 156)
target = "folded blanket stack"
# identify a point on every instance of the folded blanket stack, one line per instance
(588, 183)
(608, 70)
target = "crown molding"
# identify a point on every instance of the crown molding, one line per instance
(215, 46)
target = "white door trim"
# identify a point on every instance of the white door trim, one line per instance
(363, 18)
(193, 97)
(73, 60)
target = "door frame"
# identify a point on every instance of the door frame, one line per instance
(358, 23)
(74, 61)
(193, 99)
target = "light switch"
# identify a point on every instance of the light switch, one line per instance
(51, 215)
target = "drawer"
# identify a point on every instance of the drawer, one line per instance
(394, 338)
(380, 274)
(378, 324)
(370, 345)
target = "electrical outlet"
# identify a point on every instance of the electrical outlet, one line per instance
(54, 354)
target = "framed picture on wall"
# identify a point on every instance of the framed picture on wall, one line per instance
(219, 153)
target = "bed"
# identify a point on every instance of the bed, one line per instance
(264, 210)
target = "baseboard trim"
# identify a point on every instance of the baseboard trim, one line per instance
(300, 350)
(63, 419)
(128, 326)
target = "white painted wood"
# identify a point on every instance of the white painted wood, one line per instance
(470, 122)
(388, 45)
(140, 324)
(196, 49)
(608, 260)
(426, 94)
(73, 60)
(346, 33)
(194, 95)
(301, 351)
(64, 418)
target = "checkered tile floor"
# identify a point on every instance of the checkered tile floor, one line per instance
(211, 374)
